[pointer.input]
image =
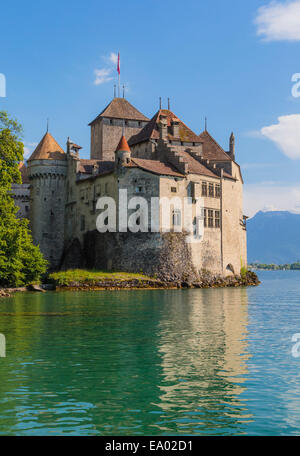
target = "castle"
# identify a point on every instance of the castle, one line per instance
(158, 157)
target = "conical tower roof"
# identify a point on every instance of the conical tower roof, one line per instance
(123, 145)
(48, 149)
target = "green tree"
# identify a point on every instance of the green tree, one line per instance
(21, 262)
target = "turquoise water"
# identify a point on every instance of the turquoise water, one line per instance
(175, 362)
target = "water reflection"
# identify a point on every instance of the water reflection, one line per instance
(203, 343)
(144, 362)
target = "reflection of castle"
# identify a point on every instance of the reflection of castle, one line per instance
(204, 355)
(162, 158)
(152, 362)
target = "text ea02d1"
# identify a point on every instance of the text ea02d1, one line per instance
(170, 445)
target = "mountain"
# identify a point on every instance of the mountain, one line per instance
(274, 237)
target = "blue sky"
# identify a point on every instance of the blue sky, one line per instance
(228, 60)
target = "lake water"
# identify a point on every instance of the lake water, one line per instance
(174, 362)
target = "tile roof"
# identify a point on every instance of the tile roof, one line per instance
(48, 149)
(120, 108)
(151, 130)
(195, 167)
(211, 149)
(104, 167)
(123, 145)
(155, 166)
(24, 173)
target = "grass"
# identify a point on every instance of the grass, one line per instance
(65, 278)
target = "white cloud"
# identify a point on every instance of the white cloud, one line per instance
(103, 75)
(268, 196)
(285, 134)
(279, 21)
(28, 148)
(113, 58)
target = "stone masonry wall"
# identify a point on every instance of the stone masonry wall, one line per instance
(105, 136)
(165, 256)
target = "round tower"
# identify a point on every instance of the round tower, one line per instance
(123, 153)
(47, 171)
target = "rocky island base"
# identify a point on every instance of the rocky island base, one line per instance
(81, 280)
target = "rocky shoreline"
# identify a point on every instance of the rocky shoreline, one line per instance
(206, 281)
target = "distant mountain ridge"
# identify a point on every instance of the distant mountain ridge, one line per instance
(274, 237)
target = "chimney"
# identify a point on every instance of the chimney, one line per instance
(163, 127)
(175, 128)
(232, 146)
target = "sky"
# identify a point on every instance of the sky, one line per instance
(235, 62)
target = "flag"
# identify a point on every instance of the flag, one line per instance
(118, 67)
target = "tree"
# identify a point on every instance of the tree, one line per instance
(21, 262)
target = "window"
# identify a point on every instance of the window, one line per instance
(204, 189)
(173, 189)
(176, 218)
(139, 189)
(218, 191)
(82, 222)
(205, 217)
(217, 219)
(210, 218)
(106, 188)
(211, 190)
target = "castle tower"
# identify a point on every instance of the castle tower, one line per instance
(47, 170)
(123, 153)
(106, 129)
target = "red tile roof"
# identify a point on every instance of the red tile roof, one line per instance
(151, 130)
(24, 173)
(48, 149)
(87, 166)
(211, 149)
(155, 166)
(120, 108)
(195, 167)
(123, 145)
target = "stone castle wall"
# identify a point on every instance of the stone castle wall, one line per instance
(47, 209)
(106, 134)
(21, 196)
(165, 256)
